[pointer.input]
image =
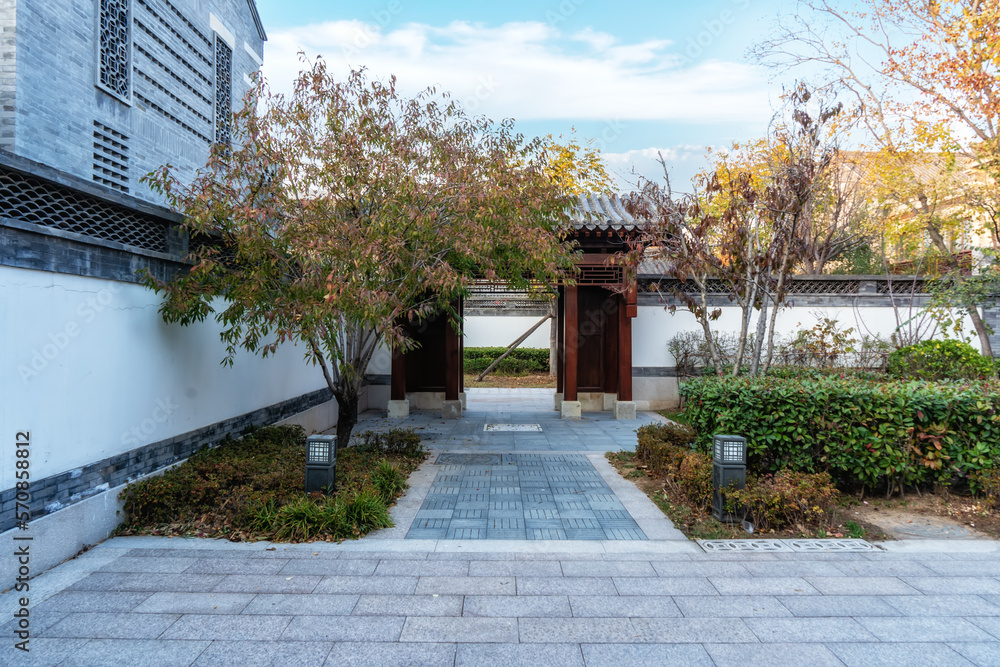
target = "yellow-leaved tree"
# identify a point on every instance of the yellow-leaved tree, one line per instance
(924, 77)
(576, 165)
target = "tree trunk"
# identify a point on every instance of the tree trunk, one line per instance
(758, 344)
(981, 330)
(347, 417)
(779, 294)
(977, 321)
(706, 327)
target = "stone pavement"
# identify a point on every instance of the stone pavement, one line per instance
(596, 432)
(388, 600)
(171, 601)
(521, 496)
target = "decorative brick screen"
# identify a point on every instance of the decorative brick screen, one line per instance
(110, 158)
(115, 46)
(40, 202)
(223, 91)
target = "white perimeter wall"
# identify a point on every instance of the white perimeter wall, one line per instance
(90, 369)
(502, 330)
(654, 326)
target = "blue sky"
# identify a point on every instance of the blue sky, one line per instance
(636, 76)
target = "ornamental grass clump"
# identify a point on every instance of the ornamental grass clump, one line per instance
(253, 488)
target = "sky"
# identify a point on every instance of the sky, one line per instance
(638, 78)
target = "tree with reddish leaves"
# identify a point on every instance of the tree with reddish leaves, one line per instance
(740, 227)
(346, 210)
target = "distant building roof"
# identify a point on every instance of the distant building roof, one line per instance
(654, 266)
(602, 212)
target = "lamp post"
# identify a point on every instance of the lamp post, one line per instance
(729, 468)
(321, 463)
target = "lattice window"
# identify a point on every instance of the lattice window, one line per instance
(691, 287)
(824, 286)
(115, 48)
(223, 91)
(903, 287)
(42, 203)
(600, 275)
(496, 296)
(110, 158)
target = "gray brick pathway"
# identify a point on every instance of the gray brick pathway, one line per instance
(515, 496)
(387, 600)
(445, 602)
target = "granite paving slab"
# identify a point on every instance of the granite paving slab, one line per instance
(411, 596)
(521, 496)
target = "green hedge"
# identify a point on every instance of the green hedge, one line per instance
(521, 360)
(940, 360)
(862, 432)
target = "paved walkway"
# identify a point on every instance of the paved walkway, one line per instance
(521, 496)
(387, 600)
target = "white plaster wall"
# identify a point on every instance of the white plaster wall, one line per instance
(654, 326)
(502, 330)
(90, 369)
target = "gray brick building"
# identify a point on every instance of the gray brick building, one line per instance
(94, 94)
(108, 90)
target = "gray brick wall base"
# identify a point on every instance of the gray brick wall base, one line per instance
(68, 488)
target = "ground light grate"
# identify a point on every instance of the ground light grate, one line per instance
(468, 459)
(764, 546)
(516, 428)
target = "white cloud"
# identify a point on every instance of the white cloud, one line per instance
(599, 41)
(531, 71)
(683, 162)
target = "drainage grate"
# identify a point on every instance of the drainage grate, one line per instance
(468, 459)
(762, 546)
(490, 428)
(831, 545)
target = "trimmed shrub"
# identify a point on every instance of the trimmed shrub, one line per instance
(694, 478)
(809, 372)
(666, 451)
(862, 432)
(786, 499)
(941, 360)
(523, 360)
(987, 484)
(662, 447)
(672, 434)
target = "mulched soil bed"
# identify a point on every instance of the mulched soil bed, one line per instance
(253, 489)
(697, 523)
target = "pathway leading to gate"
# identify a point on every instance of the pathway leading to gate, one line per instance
(511, 469)
(395, 599)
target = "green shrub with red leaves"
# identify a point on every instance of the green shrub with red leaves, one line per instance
(879, 434)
